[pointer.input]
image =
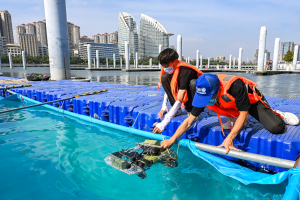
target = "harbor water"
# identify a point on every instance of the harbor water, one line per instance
(46, 155)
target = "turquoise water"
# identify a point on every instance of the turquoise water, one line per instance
(45, 155)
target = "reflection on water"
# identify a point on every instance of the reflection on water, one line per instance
(282, 85)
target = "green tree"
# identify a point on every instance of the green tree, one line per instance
(288, 56)
(4, 59)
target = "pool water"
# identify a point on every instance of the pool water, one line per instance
(46, 155)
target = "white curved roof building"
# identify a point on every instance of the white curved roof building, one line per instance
(152, 34)
(128, 31)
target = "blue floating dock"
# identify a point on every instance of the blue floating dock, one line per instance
(138, 106)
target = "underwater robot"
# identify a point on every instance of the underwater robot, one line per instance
(138, 159)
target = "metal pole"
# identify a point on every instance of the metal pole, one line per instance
(150, 62)
(114, 60)
(197, 58)
(179, 46)
(201, 61)
(240, 59)
(24, 60)
(14, 86)
(89, 56)
(10, 61)
(127, 61)
(278, 162)
(276, 52)
(159, 50)
(97, 57)
(262, 47)
(57, 35)
(296, 49)
(188, 60)
(230, 58)
(94, 60)
(106, 62)
(121, 62)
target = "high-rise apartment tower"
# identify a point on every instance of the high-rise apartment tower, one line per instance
(128, 31)
(6, 29)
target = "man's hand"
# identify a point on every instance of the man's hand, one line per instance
(156, 129)
(228, 144)
(166, 144)
(161, 113)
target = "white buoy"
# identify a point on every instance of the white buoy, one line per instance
(197, 58)
(296, 49)
(114, 60)
(276, 52)
(230, 58)
(262, 47)
(121, 64)
(127, 61)
(137, 59)
(150, 62)
(58, 42)
(179, 47)
(159, 50)
(24, 59)
(10, 61)
(106, 62)
(240, 59)
(201, 62)
(97, 58)
(89, 57)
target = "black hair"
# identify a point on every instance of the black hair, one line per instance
(166, 56)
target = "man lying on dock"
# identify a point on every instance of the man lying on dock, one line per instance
(179, 82)
(234, 97)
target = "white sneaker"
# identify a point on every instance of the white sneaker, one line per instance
(227, 124)
(289, 118)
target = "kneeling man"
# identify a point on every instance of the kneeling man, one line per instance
(234, 97)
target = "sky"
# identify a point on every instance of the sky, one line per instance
(215, 27)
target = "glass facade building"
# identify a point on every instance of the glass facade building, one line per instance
(152, 34)
(285, 46)
(128, 31)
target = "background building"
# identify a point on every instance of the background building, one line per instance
(220, 58)
(28, 43)
(152, 34)
(128, 31)
(285, 46)
(3, 49)
(14, 49)
(41, 33)
(105, 50)
(255, 57)
(39, 29)
(6, 26)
